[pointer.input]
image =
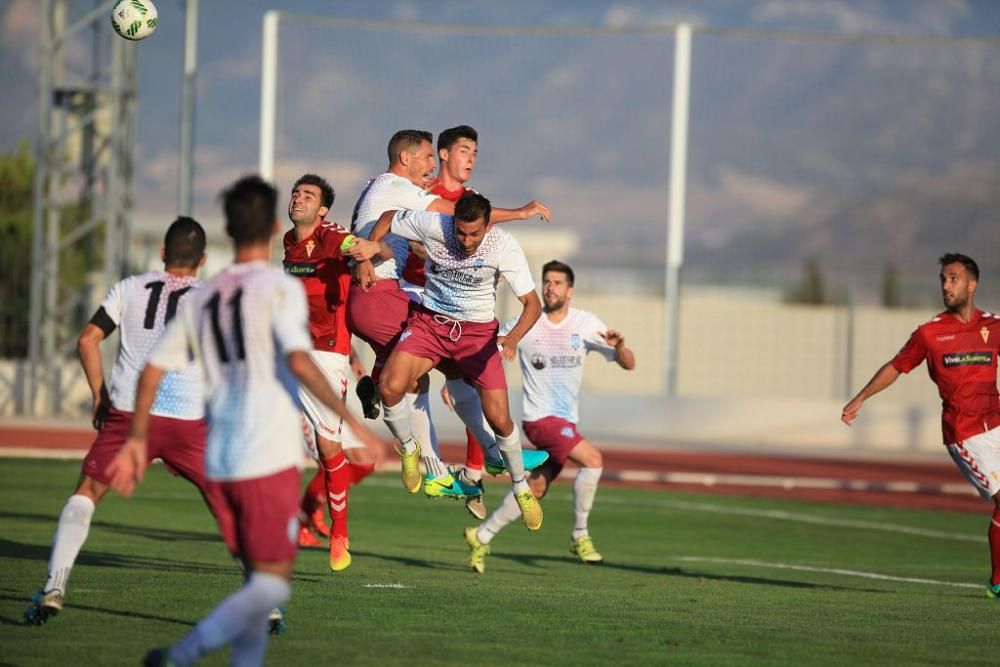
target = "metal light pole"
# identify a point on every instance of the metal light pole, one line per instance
(185, 166)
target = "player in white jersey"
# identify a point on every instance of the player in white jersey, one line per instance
(247, 330)
(552, 355)
(139, 307)
(466, 256)
(378, 312)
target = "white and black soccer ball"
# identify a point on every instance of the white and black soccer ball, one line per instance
(134, 19)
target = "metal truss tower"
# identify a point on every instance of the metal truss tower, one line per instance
(82, 190)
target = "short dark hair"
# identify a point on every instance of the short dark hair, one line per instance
(471, 207)
(966, 261)
(405, 140)
(559, 267)
(250, 205)
(327, 194)
(184, 243)
(448, 138)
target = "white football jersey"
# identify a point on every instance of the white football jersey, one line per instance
(388, 192)
(240, 327)
(140, 306)
(552, 363)
(462, 286)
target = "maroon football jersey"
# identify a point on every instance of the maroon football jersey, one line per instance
(962, 362)
(326, 277)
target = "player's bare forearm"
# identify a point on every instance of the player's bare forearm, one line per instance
(149, 382)
(883, 377)
(530, 312)
(529, 210)
(624, 357)
(383, 226)
(310, 377)
(88, 348)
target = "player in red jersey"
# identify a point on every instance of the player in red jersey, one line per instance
(315, 253)
(960, 345)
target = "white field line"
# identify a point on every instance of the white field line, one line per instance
(800, 517)
(823, 570)
(385, 586)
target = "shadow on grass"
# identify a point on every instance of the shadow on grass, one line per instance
(71, 607)
(20, 550)
(409, 561)
(532, 560)
(149, 532)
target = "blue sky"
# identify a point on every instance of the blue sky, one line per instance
(781, 130)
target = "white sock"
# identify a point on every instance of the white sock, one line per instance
(584, 489)
(510, 450)
(240, 613)
(469, 409)
(421, 423)
(471, 475)
(397, 418)
(507, 511)
(71, 533)
(249, 647)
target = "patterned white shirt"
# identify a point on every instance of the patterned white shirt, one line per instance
(240, 327)
(552, 363)
(463, 286)
(383, 193)
(140, 307)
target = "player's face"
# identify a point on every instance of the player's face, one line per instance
(556, 290)
(305, 204)
(460, 159)
(420, 168)
(470, 234)
(957, 286)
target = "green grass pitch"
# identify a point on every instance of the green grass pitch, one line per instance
(688, 580)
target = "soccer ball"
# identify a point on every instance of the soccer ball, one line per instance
(134, 19)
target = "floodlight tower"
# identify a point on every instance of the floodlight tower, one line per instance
(83, 185)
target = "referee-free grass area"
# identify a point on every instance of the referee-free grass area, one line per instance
(687, 580)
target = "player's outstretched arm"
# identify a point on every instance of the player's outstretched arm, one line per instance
(364, 250)
(383, 226)
(306, 372)
(530, 312)
(623, 355)
(883, 377)
(88, 348)
(526, 212)
(127, 468)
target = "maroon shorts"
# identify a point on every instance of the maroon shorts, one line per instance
(259, 517)
(472, 346)
(179, 442)
(556, 436)
(378, 316)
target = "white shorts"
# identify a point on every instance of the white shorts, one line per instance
(336, 368)
(414, 292)
(979, 460)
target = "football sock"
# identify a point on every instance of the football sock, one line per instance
(421, 423)
(338, 477)
(994, 538)
(359, 471)
(469, 409)
(71, 533)
(249, 647)
(584, 490)
(245, 609)
(507, 511)
(423, 433)
(397, 418)
(315, 493)
(472, 475)
(510, 450)
(474, 457)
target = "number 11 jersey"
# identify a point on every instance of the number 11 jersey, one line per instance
(240, 327)
(140, 307)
